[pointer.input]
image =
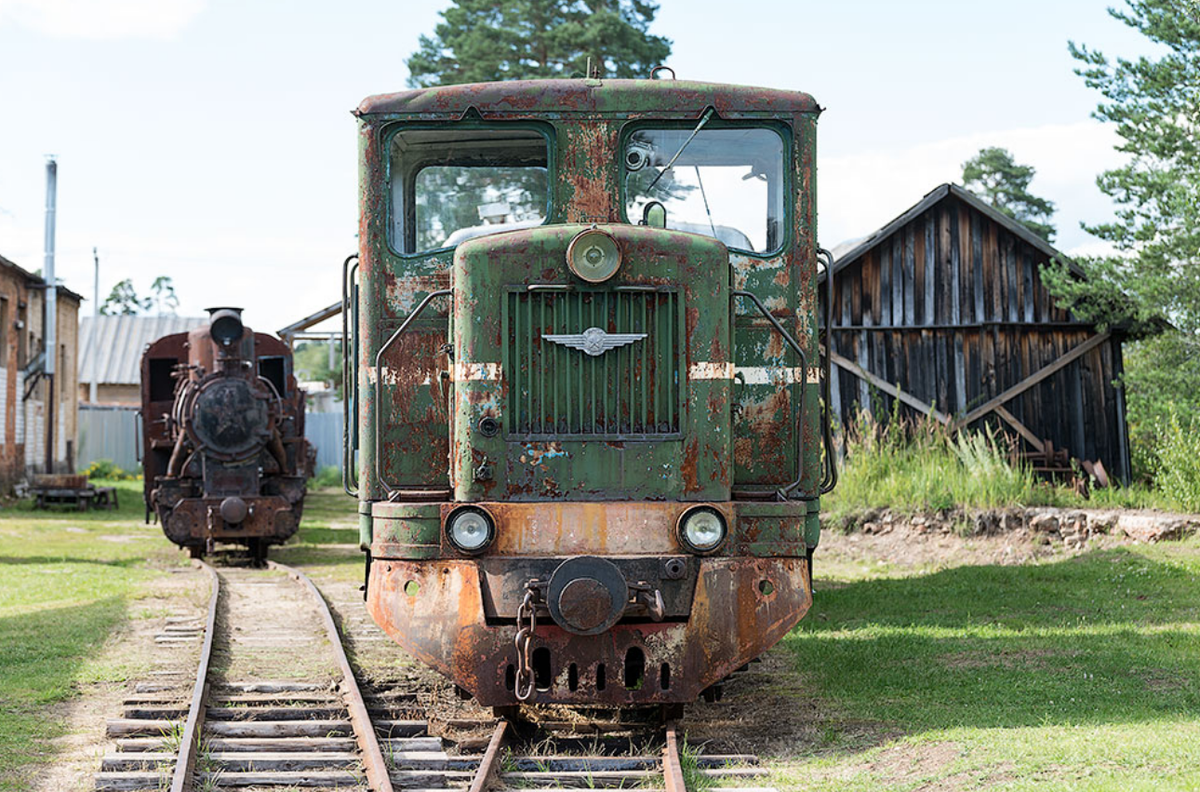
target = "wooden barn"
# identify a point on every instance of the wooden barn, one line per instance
(944, 309)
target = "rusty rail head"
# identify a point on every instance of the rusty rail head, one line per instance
(672, 767)
(185, 763)
(374, 764)
(489, 765)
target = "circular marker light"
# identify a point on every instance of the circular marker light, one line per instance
(594, 256)
(470, 529)
(702, 530)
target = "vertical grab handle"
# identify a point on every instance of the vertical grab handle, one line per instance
(784, 493)
(829, 481)
(383, 482)
(349, 372)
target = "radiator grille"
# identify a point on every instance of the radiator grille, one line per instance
(555, 391)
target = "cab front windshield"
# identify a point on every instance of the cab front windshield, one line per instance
(723, 183)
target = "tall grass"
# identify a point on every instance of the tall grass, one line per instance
(922, 466)
(914, 466)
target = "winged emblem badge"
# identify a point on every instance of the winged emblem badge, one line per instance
(594, 341)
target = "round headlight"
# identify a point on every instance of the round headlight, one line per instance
(470, 529)
(594, 256)
(702, 530)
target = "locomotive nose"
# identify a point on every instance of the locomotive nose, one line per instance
(587, 595)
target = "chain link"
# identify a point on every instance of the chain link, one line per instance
(524, 687)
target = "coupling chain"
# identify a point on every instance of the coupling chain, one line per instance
(526, 627)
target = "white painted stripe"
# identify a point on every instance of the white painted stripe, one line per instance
(775, 375)
(476, 372)
(710, 371)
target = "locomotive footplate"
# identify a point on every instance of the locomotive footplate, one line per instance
(599, 635)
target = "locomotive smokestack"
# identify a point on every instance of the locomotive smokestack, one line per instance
(225, 325)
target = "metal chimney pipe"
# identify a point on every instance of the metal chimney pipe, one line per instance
(50, 332)
(94, 361)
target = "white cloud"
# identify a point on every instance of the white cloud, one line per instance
(102, 19)
(862, 192)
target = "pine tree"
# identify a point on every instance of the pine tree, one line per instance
(1152, 286)
(486, 40)
(996, 178)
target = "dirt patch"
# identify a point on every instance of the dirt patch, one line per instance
(1030, 659)
(905, 763)
(130, 650)
(799, 722)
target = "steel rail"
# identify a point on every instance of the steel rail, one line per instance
(185, 762)
(364, 731)
(489, 764)
(672, 767)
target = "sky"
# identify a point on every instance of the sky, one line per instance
(212, 141)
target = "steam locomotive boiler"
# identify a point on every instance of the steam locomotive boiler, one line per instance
(226, 459)
(585, 371)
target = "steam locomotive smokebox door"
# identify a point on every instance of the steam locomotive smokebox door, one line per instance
(228, 420)
(587, 595)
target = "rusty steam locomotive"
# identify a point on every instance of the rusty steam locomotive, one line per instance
(584, 367)
(226, 459)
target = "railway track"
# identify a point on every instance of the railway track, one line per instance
(281, 708)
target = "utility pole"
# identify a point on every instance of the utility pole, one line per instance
(92, 352)
(50, 332)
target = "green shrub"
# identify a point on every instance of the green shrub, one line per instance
(328, 476)
(1177, 462)
(107, 469)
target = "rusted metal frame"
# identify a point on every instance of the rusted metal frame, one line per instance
(784, 493)
(1032, 379)
(374, 764)
(349, 376)
(829, 480)
(672, 766)
(387, 485)
(189, 743)
(489, 765)
(1021, 429)
(890, 389)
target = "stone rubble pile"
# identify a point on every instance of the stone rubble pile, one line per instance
(1072, 527)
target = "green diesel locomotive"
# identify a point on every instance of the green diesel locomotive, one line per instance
(584, 376)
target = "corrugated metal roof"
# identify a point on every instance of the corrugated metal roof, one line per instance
(120, 342)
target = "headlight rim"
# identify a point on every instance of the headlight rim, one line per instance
(582, 235)
(454, 513)
(681, 533)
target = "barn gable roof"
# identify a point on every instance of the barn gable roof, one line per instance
(864, 244)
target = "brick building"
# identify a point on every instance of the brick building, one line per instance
(25, 390)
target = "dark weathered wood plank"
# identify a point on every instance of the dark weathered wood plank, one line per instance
(1042, 374)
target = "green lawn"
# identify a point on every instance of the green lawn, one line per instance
(67, 580)
(1082, 673)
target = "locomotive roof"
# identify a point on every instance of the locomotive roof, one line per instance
(536, 97)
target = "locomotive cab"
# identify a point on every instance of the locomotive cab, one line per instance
(585, 371)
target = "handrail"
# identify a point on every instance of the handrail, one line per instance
(387, 485)
(349, 375)
(784, 493)
(829, 480)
